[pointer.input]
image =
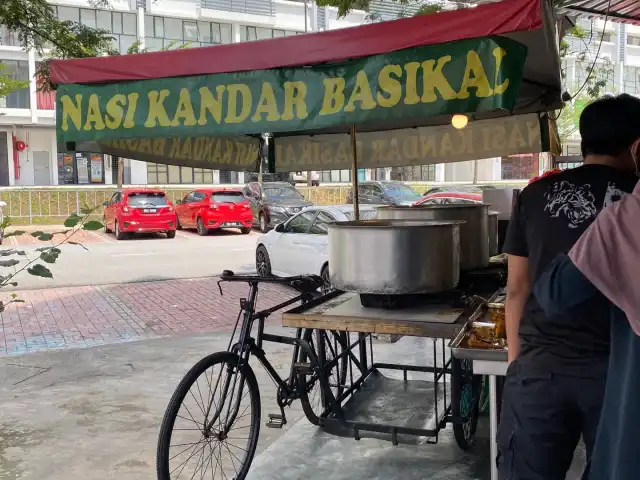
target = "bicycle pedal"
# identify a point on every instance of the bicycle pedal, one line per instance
(303, 368)
(276, 421)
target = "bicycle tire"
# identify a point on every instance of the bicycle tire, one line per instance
(183, 388)
(463, 381)
(306, 402)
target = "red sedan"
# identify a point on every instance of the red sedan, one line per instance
(214, 208)
(139, 211)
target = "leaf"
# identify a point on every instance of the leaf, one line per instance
(46, 249)
(15, 233)
(45, 236)
(92, 225)
(11, 251)
(1, 306)
(39, 270)
(9, 263)
(78, 244)
(37, 233)
(13, 295)
(50, 256)
(72, 221)
(87, 210)
(13, 284)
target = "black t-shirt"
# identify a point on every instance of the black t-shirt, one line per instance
(548, 218)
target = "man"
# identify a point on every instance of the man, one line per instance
(555, 381)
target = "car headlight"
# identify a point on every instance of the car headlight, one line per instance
(277, 209)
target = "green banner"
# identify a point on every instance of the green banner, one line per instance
(476, 75)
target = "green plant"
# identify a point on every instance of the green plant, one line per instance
(20, 261)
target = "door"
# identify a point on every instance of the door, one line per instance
(318, 243)
(110, 210)
(377, 195)
(41, 168)
(182, 210)
(195, 205)
(364, 194)
(294, 251)
(254, 195)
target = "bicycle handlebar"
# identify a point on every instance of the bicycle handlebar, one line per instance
(301, 283)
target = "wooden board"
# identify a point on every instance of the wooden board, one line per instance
(344, 312)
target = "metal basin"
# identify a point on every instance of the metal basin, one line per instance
(493, 233)
(392, 258)
(474, 233)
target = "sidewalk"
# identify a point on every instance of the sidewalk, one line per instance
(78, 317)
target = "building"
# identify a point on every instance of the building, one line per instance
(28, 150)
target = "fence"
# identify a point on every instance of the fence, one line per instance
(52, 205)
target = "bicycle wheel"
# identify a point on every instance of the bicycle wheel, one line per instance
(465, 400)
(213, 393)
(311, 393)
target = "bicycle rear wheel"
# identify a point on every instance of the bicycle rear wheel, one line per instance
(214, 393)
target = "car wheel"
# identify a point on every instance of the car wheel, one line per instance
(263, 263)
(119, 234)
(178, 225)
(326, 286)
(104, 222)
(264, 226)
(202, 230)
(245, 231)
(171, 234)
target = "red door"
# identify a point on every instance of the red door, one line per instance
(195, 205)
(182, 210)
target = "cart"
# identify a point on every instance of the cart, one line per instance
(380, 95)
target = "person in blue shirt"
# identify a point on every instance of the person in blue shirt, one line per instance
(604, 266)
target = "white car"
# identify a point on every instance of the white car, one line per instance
(300, 245)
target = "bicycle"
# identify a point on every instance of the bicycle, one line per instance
(317, 361)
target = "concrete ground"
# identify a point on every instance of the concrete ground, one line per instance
(92, 414)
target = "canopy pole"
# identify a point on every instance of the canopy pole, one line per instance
(354, 174)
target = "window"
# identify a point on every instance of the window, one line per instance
(173, 28)
(521, 167)
(198, 196)
(8, 38)
(248, 34)
(631, 80)
(164, 32)
(264, 33)
(146, 199)
(162, 174)
(300, 223)
(129, 24)
(68, 14)
(103, 20)
(635, 41)
(227, 197)
(116, 22)
(189, 198)
(16, 70)
(80, 168)
(123, 27)
(320, 226)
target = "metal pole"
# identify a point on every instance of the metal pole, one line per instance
(354, 174)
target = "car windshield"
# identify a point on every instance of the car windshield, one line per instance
(400, 191)
(227, 197)
(366, 215)
(147, 200)
(282, 192)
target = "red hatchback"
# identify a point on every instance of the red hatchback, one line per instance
(214, 208)
(139, 211)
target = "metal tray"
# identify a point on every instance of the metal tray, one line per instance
(475, 353)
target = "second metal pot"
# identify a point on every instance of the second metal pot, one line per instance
(474, 233)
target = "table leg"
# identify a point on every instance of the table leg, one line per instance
(493, 421)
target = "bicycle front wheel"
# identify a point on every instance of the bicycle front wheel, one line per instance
(211, 426)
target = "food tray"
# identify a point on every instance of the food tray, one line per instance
(492, 355)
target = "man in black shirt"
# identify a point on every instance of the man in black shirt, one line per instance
(555, 381)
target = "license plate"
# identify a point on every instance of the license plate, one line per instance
(149, 210)
(231, 224)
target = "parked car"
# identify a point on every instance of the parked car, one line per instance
(454, 194)
(384, 193)
(300, 245)
(273, 203)
(207, 209)
(139, 211)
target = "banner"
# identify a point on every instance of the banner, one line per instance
(476, 75)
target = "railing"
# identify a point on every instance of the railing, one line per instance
(52, 205)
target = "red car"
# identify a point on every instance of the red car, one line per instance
(454, 194)
(214, 208)
(141, 210)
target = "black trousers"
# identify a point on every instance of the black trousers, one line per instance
(543, 416)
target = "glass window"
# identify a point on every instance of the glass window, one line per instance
(163, 177)
(216, 33)
(263, 33)
(289, 33)
(186, 175)
(633, 40)
(159, 24)
(189, 198)
(8, 38)
(198, 196)
(248, 34)
(16, 70)
(68, 14)
(117, 22)
(173, 28)
(174, 174)
(103, 20)
(190, 31)
(204, 32)
(146, 199)
(226, 35)
(300, 223)
(272, 191)
(126, 41)
(148, 26)
(88, 17)
(129, 24)
(278, 33)
(153, 44)
(320, 226)
(227, 197)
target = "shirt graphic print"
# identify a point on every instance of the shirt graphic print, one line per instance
(612, 195)
(574, 202)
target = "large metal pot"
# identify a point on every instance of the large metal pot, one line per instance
(391, 258)
(474, 233)
(493, 233)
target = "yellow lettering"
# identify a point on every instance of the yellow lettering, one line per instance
(516, 139)
(410, 148)
(389, 86)
(211, 104)
(186, 150)
(71, 111)
(295, 95)
(533, 129)
(228, 151)
(198, 147)
(174, 152)
(433, 79)
(184, 111)
(343, 155)
(428, 146)
(157, 113)
(466, 141)
(290, 155)
(411, 96)
(474, 77)
(499, 54)
(393, 154)
(333, 100)
(115, 111)
(129, 119)
(446, 147)
(93, 114)
(145, 145)
(361, 93)
(233, 91)
(267, 104)
(499, 139)
(159, 146)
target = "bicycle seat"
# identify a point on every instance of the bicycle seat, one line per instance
(304, 283)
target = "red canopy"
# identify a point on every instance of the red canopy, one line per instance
(499, 18)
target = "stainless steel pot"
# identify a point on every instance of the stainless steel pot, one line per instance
(493, 233)
(391, 258)
(474, 233)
